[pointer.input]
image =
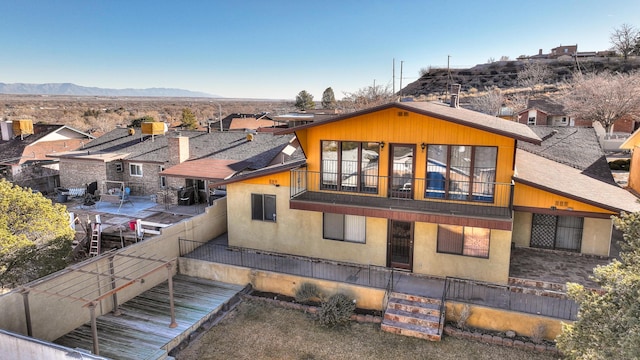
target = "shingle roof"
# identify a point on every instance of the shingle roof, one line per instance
(577, 147)
(202, 145)
(11, 151)
(564, 180)
(442, 111)
(546, 105)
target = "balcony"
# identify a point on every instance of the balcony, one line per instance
(428, 199)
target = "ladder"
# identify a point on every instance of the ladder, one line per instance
(94, 246)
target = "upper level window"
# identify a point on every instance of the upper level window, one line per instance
(461, 172)
(531, 120)
(350, 166)
(135, 169)
(263, 207)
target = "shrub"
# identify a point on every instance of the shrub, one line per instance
(620, 164)
(537, 332)
(308, 292)
(465, 313)
(336, 311)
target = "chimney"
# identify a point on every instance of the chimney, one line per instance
(455, 94)
(178, 147)
(540, 52)
(6, 128)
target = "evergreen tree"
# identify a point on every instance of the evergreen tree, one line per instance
(304, 101)
(35, 235)
(608, 324)
(189, 119)
(328, 99)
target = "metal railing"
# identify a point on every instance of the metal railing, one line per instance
(425, 189)
(530, 301)
(365, 275)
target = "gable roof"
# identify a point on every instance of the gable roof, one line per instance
(564, 180)
(577, 147)
(35, 146)
(546, 105)
(631, 142)
(442, 111)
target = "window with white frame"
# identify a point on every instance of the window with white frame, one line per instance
(135, 169)
(344, 227)
(263, 207)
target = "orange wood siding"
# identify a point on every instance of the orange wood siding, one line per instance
(527, 196)
(389, 127)
(634, 170)
(281, 179)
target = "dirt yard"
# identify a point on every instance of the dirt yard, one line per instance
(256, 330)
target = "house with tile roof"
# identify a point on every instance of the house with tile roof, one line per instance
(24, 149)
(242, 122)
(175, 165)
(431, 189)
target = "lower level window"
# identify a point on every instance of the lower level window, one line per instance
(344, 227)
(263, 207)
(463, 240)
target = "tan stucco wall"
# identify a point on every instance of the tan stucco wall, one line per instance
(522, 228)
(502, 320)
(426, 259)
(596, 236)
(297, 232)
(53, 316)
(366, 298)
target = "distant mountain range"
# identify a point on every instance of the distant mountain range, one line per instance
(76, 90)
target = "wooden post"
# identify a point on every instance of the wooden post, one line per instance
(94, 328)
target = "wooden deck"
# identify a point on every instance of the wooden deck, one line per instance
(142, 330)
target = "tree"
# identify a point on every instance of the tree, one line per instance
(532, 74)
(304, 101)
(35, 236)
(490, 102)
(603, 97)
(138, 122)
(368, 96)
(608, 324)
(329, 99)
(189, 119)
(624, 39)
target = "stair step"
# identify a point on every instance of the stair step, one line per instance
(412, 318)
(414, 307)
(417, 331)
(415, 298)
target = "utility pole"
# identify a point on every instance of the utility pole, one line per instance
(220, 116)
(394, 76)
(401, 65)
(446, 92)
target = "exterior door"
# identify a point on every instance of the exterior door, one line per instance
(400, 245)
(401, 171)
(556, 232)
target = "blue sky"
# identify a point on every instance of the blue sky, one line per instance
(275, 49)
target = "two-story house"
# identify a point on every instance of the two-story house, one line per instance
(418, 186)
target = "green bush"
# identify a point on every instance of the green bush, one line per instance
(336, 311)
(620, 164)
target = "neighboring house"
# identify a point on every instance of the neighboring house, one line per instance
(24, 148)
(423, 187)
(240, 121)
(144, 162)
(308, 116)
(631, 144)
(564, 51)
(544, 111)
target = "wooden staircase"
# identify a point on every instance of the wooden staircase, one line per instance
(415, 316)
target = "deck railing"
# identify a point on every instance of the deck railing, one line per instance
(433, 189)
(552, 304)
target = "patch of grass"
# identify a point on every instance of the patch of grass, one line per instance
(262, 331)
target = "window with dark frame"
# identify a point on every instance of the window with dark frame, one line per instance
(263, 207)
(343, 227)
(350, 166)
(464, 240)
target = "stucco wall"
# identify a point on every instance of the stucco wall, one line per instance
(502, 320)
(596, 236)
(426, 259)
(522, 228)
(366, 298)
(53, 316)
(299, 232)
